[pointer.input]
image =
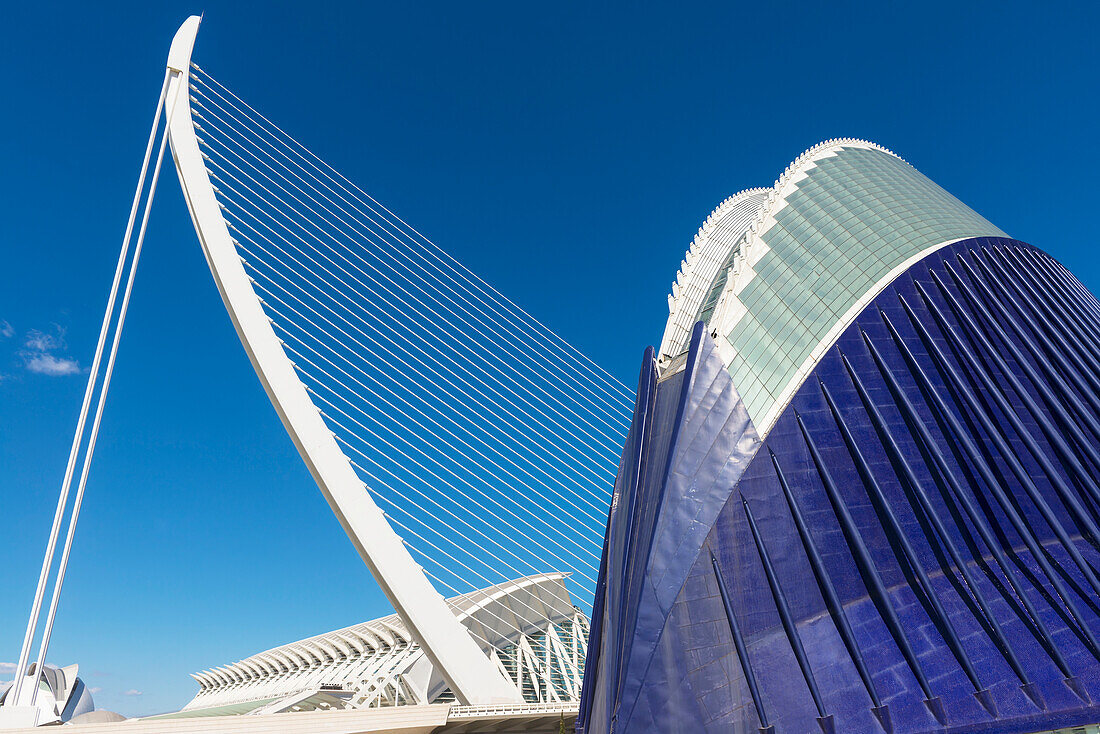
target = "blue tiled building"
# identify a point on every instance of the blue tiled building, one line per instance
(861, 491)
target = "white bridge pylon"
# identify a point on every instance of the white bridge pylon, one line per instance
(449, 645)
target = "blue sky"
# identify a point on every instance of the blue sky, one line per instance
(565, 152)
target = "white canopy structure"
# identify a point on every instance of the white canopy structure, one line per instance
(537, 641)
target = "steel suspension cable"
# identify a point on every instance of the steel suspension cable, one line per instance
(361, 297)
(464, 481)
(274, 296)
(246, 261)
(282, 272)
(428, 294)
(452, 589)
(250, 266)
(469, 407)
(525, 567)
(528, 523)
(418, 411)
(369, 235)
(431, 499)
(78, 435)
(97, 420)
(428, 497)
(404, 234)
(444, 468)
(454, 343)
(442, 256)
(417, 552)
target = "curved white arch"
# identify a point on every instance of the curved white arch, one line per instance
(350, 641)
(458, 658)
(280, 661)
(480, 610)
(366, 637)
(397, 633)
(340, 645)
(223, 675)
(203, 680)
(328, 651)
(310, 657)
(264, 666)
(254, 669)
(298, 661)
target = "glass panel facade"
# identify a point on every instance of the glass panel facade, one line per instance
(857, 215)
(910, 548)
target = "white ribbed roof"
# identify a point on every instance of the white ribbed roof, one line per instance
(720, 233)
(497, 616)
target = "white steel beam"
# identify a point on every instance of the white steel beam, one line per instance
(458, 658)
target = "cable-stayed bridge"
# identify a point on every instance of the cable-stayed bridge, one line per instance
(461, 443)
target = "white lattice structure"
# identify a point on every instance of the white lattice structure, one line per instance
(379, 663)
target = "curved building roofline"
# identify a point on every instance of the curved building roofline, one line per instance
(793, 173)
(839, 223)
(389, 630)
(375, 660)
(702, 238)
(693, 277)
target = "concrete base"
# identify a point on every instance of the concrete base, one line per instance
(18, 717)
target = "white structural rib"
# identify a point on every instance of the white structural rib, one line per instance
(538, 639)
(722, 231)
(466, 669)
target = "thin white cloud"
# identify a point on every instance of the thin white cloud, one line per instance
(133, 692)
(7, 667)
(40, 341)
(39, 353)
(47, 364)
(7, 331)
(94, 689)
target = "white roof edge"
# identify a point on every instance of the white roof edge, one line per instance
(687, 267)
(780, 189)
(677, 298)
(475, 600)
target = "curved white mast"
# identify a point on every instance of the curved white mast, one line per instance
(461, 662)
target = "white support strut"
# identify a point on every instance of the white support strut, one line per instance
(467, 670)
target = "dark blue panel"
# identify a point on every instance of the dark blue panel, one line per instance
(690, 440)
(956, 420)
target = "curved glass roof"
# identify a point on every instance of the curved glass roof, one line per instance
(843, 221)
